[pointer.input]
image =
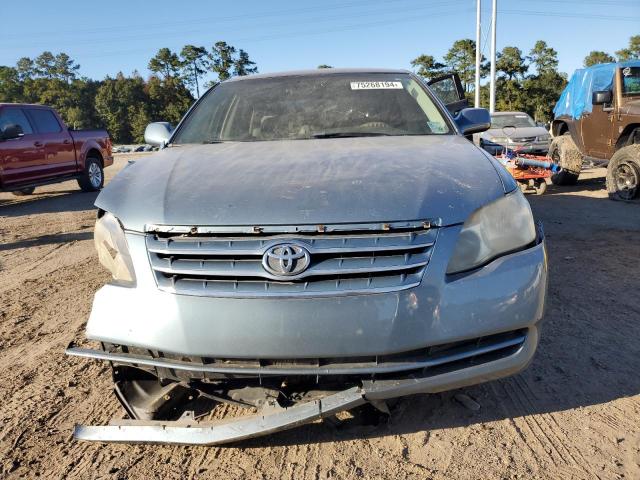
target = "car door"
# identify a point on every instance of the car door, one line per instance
(21, 158)
(596, 130)
(59, 151)
(448, 88)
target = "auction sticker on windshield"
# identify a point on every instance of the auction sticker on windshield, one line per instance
(375, 85)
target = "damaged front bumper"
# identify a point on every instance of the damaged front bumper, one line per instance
(307, 359)
(188, 432)
(272, 418)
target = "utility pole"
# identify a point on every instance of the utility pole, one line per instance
(492, 87)
(478, 54)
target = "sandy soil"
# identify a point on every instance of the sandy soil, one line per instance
(574, 413)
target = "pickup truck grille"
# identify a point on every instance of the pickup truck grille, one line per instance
(340, 262)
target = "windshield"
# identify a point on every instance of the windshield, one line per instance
(313, 106)
(631, 81)
(513, 120)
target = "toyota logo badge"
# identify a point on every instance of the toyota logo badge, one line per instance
(286, 260)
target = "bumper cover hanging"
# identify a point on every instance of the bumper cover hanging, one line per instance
(215, 433)
(272, 420)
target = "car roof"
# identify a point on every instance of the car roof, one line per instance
(316, 72)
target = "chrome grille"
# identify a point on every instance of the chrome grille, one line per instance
(524, 139)
(342, 262)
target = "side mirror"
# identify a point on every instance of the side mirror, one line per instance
(601, 97)
(473, 120)
(158, 134)
(11, 131)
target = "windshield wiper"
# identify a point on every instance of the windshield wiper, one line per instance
(349, 134)
(207, 142)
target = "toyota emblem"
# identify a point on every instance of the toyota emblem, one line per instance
(286, 260)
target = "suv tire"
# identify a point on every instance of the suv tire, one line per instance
(92, 178)
(563, 152)
(623, 174)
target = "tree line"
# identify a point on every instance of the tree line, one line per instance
(629, 53)
(123, 104)
(524, 82)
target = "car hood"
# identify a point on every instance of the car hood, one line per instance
(519, 132)
(324, 181)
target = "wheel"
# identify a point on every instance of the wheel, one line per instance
(23, 191)
(563, 152)
(623, 174)
(93, 177)
(540, 187)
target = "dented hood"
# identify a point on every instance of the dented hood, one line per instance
(342, 180)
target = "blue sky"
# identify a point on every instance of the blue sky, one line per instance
(119, 35)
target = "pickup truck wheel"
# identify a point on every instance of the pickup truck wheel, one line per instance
(23, 191)
(623, 174)
(93, 177)
(564, 153)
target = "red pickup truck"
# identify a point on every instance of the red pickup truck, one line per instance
(37, 148)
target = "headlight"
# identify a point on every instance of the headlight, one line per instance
(498, 139)
(544, 138)
(503, 226)
(113, 250)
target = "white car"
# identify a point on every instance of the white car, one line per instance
(514, 131)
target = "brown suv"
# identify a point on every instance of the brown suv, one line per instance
(598, 120)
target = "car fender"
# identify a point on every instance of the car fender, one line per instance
(83, 150)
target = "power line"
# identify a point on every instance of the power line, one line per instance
(280, 13)
(286, 35)
(572, 15)
(211, 20)
(316, 20)
(618, 3)
(583, 3)
(313, 20)
(486, 38)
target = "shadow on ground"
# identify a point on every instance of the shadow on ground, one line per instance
(47, 240)
(590, 184)
(53, 202)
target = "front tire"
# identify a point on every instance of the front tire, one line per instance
(623, 174)
(92, 178)
(24, 191)
(540, 187)
(564, 153)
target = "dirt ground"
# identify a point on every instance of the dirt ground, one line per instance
(574, 413)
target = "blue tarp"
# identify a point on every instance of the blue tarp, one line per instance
(576, 97)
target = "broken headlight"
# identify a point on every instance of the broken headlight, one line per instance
(113, 250)
(496, 229)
